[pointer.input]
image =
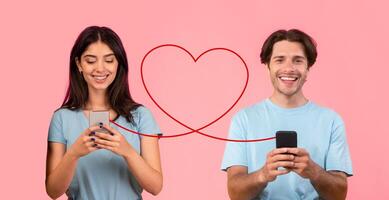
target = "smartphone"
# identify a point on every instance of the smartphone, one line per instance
(286, 139)
(97, 117)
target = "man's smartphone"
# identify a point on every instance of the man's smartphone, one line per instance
(286, 139)
(97, 117)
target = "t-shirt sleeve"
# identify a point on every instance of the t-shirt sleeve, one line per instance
(147, 123)
(55, 129)
(338, 157)
(235, 152)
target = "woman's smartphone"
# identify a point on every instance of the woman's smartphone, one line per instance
(286, 139)
(97, 117)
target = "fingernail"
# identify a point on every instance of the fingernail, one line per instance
(111, 134)
(101, 124)
(94, 145)
(93, 139)
(92, 133)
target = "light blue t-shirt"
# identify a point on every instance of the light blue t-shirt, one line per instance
(101, 174)
(319, 130)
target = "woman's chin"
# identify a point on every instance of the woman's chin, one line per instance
(99, 87)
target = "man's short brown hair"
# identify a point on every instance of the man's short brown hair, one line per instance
(292, 35)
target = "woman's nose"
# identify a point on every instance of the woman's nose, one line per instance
(100, 66)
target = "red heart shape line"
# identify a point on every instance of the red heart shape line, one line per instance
(192, 130)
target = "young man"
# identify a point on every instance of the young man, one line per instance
(320, 165)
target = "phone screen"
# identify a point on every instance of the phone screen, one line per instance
(286, 139)
(96, 117)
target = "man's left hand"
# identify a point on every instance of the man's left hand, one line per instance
(303, 164)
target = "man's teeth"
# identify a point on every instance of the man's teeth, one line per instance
(288, 78)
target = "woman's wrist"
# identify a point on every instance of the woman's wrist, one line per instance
(130, 154)
(72, 154)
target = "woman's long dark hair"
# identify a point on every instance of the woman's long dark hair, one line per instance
(118, 92)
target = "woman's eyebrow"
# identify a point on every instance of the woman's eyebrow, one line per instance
(110, 54)
(89, 55)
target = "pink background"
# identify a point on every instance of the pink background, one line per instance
(349, 76)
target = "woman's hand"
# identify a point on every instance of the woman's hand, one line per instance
(85, 143)
(113, 141)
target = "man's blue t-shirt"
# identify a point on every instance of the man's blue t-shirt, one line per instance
(320, 131)
(101, 174)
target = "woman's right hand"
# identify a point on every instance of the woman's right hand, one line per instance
(84, 144)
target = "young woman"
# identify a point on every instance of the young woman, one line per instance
(85, 163)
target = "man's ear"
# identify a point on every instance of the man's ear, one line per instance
(306, 79)
(268, 68)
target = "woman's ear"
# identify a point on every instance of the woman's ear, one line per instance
(78, 64)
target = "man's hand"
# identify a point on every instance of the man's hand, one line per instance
(274, 160)
(303, 164)
(329, 184)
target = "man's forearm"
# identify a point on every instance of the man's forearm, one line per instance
(245, 186)
(330, 185)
